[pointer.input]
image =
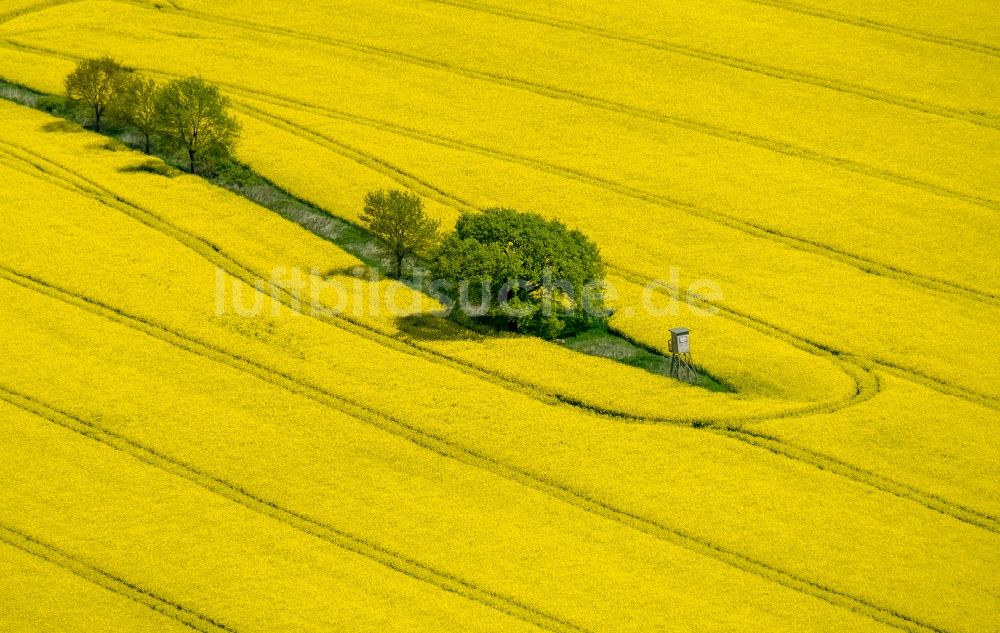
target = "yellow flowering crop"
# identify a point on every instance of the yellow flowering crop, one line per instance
(187, 445)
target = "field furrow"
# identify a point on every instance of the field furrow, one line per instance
(186, 616)
(893, 266)
(669, 535)
(405, 179)
(746, 318)
(228, 403)
(163, 545)
(216, 255)
(601, 103)
(40, 595)
(731, 429)
(724, 60)
(352, 543)
(536, 483)
(863, 392)
(826, 14)
(549, 91)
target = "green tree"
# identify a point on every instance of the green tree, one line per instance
(195, 119)
(398, 219)
(520, 271)
(98, 83)
(140, 107)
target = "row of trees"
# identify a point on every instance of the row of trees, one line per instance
(185, 115)
(527, 273)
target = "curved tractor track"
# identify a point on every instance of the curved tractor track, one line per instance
(329, 399)
(596, 506)
(359, 327)
(580, 500)
(803, 585)
(867, 385)
(439, 195)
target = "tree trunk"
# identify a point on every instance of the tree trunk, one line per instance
(97, 119)
(147, 143)
(399, 265)
(191, 160)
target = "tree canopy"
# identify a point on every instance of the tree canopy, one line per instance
(140, 107)
(195, 119)
(398, 219)
(520, 271)
(98, 83)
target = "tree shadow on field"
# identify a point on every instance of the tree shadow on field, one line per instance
(359, 271)
(428, 327)
(151, 166)
(63, 126)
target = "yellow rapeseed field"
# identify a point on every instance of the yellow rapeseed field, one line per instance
(187, 446)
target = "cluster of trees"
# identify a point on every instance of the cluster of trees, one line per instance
(185, 115)
(525, 273)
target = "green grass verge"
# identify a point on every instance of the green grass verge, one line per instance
(601, 342)
(244, 181)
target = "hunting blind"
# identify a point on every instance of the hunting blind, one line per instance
(681, 365)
